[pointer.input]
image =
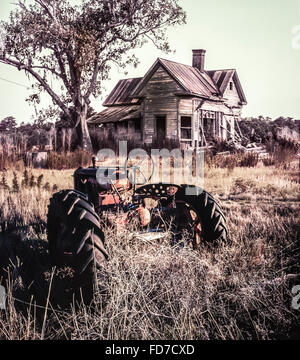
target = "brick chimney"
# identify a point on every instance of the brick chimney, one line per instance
(198, 59)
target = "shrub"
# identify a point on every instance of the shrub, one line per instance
(242, 185)
(72, 160)
(234, 160)
(3, 183)
(46, 186)
(32, 182)
(248, 160)
(25, 181)
(269, 161)
(285, 151)
(226, 161)
(15, 184)
(39, 181)
(102, 141)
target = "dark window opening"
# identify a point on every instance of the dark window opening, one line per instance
(123, 125)
(160, 128)
(231, 85)
(137, 125)
(186, 127)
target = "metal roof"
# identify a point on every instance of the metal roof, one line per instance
(115, 114)
(121, 93)
(192, 79)
(123, 102)
(207, 84)
(222, 79)
(188, 77)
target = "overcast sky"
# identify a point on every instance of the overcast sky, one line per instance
(253, 36)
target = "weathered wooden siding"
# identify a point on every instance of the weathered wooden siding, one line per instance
(124, 130)
(232, 95)
(185, 106)
(160, 100)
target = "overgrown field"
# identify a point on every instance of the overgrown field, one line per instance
(238, 290)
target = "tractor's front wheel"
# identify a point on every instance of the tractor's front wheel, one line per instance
(75, 237)
(194, 215)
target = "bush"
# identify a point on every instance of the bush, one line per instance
(101, 141)
(282, 152)
(248, 160)
(72, 160)
(226, 161)
(11, 161)
(269, 161)
(110, 141)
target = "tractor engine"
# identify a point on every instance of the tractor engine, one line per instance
(109, 196)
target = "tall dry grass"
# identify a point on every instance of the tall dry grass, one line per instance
(238, 290)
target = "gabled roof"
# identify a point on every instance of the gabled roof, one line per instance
(222, 79)
(208, 84)
(121, 93)
(189, 78)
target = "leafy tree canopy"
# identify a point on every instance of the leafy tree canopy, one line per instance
(261, 129)
(8, 124)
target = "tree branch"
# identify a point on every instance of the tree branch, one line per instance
(64, 77)
(46, 8)
(93, 81)
(54, 96)
(46, 68)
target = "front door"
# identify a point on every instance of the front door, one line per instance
(160, 129)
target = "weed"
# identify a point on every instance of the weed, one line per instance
(15, 184)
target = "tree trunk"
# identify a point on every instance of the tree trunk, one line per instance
(83, 131)
(69, 138)
(63, 139)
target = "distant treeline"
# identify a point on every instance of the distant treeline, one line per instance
(264, 129)
(41, 136)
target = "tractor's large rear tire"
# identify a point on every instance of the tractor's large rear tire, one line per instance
(75, 237)
(211, 218)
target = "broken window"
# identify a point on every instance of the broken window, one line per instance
(186, 127)
(209, 122)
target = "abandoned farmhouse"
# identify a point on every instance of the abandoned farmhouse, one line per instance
(174, 101)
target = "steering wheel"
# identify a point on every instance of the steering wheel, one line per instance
(139, 167)
(110, 175)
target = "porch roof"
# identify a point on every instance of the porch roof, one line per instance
(115, 114)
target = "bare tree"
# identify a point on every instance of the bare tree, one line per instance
(73, 47)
